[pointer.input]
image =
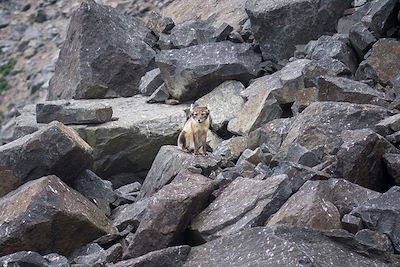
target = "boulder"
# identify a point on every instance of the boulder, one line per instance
(189, 33)
(282, 246)
(392, 162)
(45, 215)
(159, 24)
(224, 103)
(94, 255)
(345, 23)
(257, 111)
(24, 258)
(301, 155)
(359, 158)
(351, 223)
(381, 16)
(150, 82)
(382, 64)
(242, 204)
(303, 99)
(382, 214)
(160, 95)
(55, 149)
(68, 112)
(96, 39)
(361, 39)
(278, 26)
(192, 72)
(388, 125)
(129, 215)
(169, 161)
(374, 240)
(232, 148)
(168, 214)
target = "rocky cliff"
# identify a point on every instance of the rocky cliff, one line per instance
(304, 157)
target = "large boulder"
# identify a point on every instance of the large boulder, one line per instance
(242, 204)
(99, 37)
(168, 213)
(55, 149)
(381, 16)
(45, 215)
(279, 26)
(192, 72)
(282, 246)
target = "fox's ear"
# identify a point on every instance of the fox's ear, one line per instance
(191, 108)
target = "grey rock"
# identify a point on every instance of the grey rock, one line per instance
(168, 257)
(389, 125)
(301, 155)
(392, 162)
(242, 204)
(127, 192)
(381, 16)
(232, 148)
(224, 103)
(98, 191)
(213, 140)
(57, 260)
(351, 223)
(361, 39)
(191, 33)
(45, 215)
(159, 95)
(192, 72)
(381, 214)
(257, 111)
(222, 32)
(279, 26)
(96, 39)
(69, 112)
(374, 240)
(24, 258)
(159, 24)
(303, 99)
(150, 82)
(55, 149)
(169, 161)
(282, 246)
(168, 214)
(129, 215)
(345, 23)
(253, 156)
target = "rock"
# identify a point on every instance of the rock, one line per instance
(95, 189)
(279, 26)
(168, 257)
(320, 204)
(168, 213)
(129, 215)
(231, 12)
(361, 39)
(55, 149)
(24, 258)
(192, 72)
(303, 99)
(389, 125)
(374, 240)
(319, 126)
(359, 158)
(127, 193)
(213, 140)
(150, 82)
(191, 33)
(345, 23)
(282, 246)
(232, 148)
(169, 162)
(45, 215)
(252, 156)
(271, 134)
(159, 95)
(69, 112)
(57, 260)
(345, 90)
(96, 39)
(392, 162)
(378, 66)
(381, 16)
(244, 203)
(224, 103)
(159, 24)
(301, 155)
(222, 32)
(257, 111)
(94, 255)
(381, 214)
(351, 223)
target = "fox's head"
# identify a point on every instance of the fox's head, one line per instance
(199, 114)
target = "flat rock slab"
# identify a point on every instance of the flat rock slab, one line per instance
(55, 149)
(45, 215)
(242, 204)
(271, 247)
(71, 112)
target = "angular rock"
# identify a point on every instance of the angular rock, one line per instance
(55, 149)
(279, 26)
(389, 125)
(159, 95)
(374, 240)
(94, 255)
(232, 148)
(45, 215)
(168, 213)
(192, 72)
(361, 39)
(95, 189)
(282, 246)
(320, 204)
(351, 223)
(301, 155)
(69, 112)
(382, 214)
(252, 156)
(345, 90)
(96, 39)
(392, 162)
(169, 162)
(223, 31)
(303, 99)
(224, 103)
(345, 23)
(168, 257)
(213, 140)
(24, 258)
(191, 33)
(381, 16)
(319, 126)
(150, 82)
(129, 215)
(127, 193)
(57, 260)
(242, 204)
(257, 111)
(359, 158)
(379, 66)
(159, 24)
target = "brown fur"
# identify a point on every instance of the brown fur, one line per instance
(194, 134)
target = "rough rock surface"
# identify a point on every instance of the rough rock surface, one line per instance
(45, 215)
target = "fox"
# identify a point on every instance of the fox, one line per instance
(194, 133)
